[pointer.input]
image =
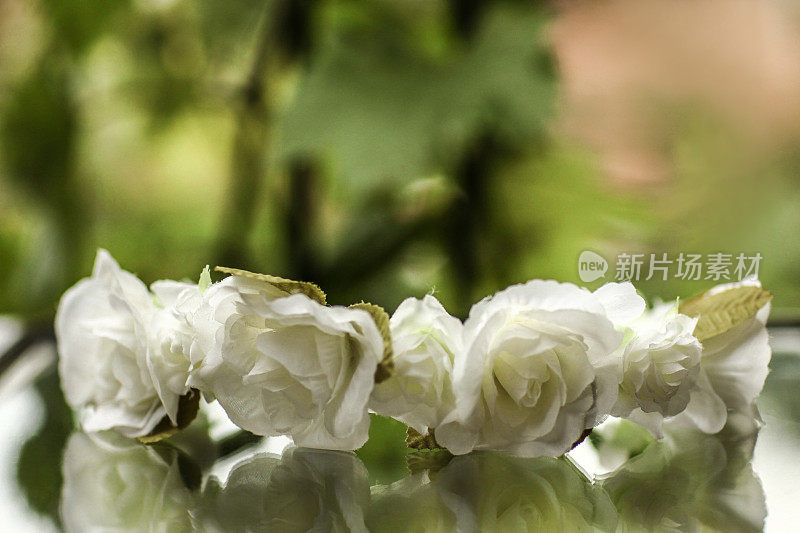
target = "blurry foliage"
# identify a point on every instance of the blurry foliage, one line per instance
(380, 148)
(38, 136)
(383, 110)
(123, 133)
(728, 197)
(77, 26)
(38, 133)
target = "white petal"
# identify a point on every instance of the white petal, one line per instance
(621, 302)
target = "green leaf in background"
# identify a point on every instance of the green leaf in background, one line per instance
(384, 454)
(286, 285)
(722, 311)
(381, 318)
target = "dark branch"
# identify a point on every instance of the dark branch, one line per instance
(33, 336)
(233, 443)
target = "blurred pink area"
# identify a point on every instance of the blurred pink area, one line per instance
(628, 66)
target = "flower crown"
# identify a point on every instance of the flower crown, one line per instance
(531, 371)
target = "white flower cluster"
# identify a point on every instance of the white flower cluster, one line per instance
(530, 371)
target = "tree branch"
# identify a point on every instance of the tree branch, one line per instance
(284, 39)
(247, 160)
(32, 336)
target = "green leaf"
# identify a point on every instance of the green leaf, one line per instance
(722, 311)
(386, 366)
(188, 405)
(384, 453)
(286, 285)
(205, 280)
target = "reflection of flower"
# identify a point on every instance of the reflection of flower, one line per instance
(659, 366)
(426, 340)
(538, 369)
(107, 367)
(305, 490)
(733, 368)
(689, 482)
(115, 484)
(410, 505)
(490, 491)
(493, 492)
(285, 364)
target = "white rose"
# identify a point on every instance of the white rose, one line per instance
(733, 368)
(659, 366)
(284, 364)
(116, 484)
(538, 370)
(193, 327)
(426, 340)
(172, 336)
(103, 326)
(304, 490)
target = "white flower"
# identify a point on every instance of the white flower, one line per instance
(304, 490)
(172, 336)
(103, 328)
(538, 370)
(659, 366)
(733, 368)
(426, 340)
(193, 327)
(116, 484)
(285, 364)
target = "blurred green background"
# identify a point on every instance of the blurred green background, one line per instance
(389, 148)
